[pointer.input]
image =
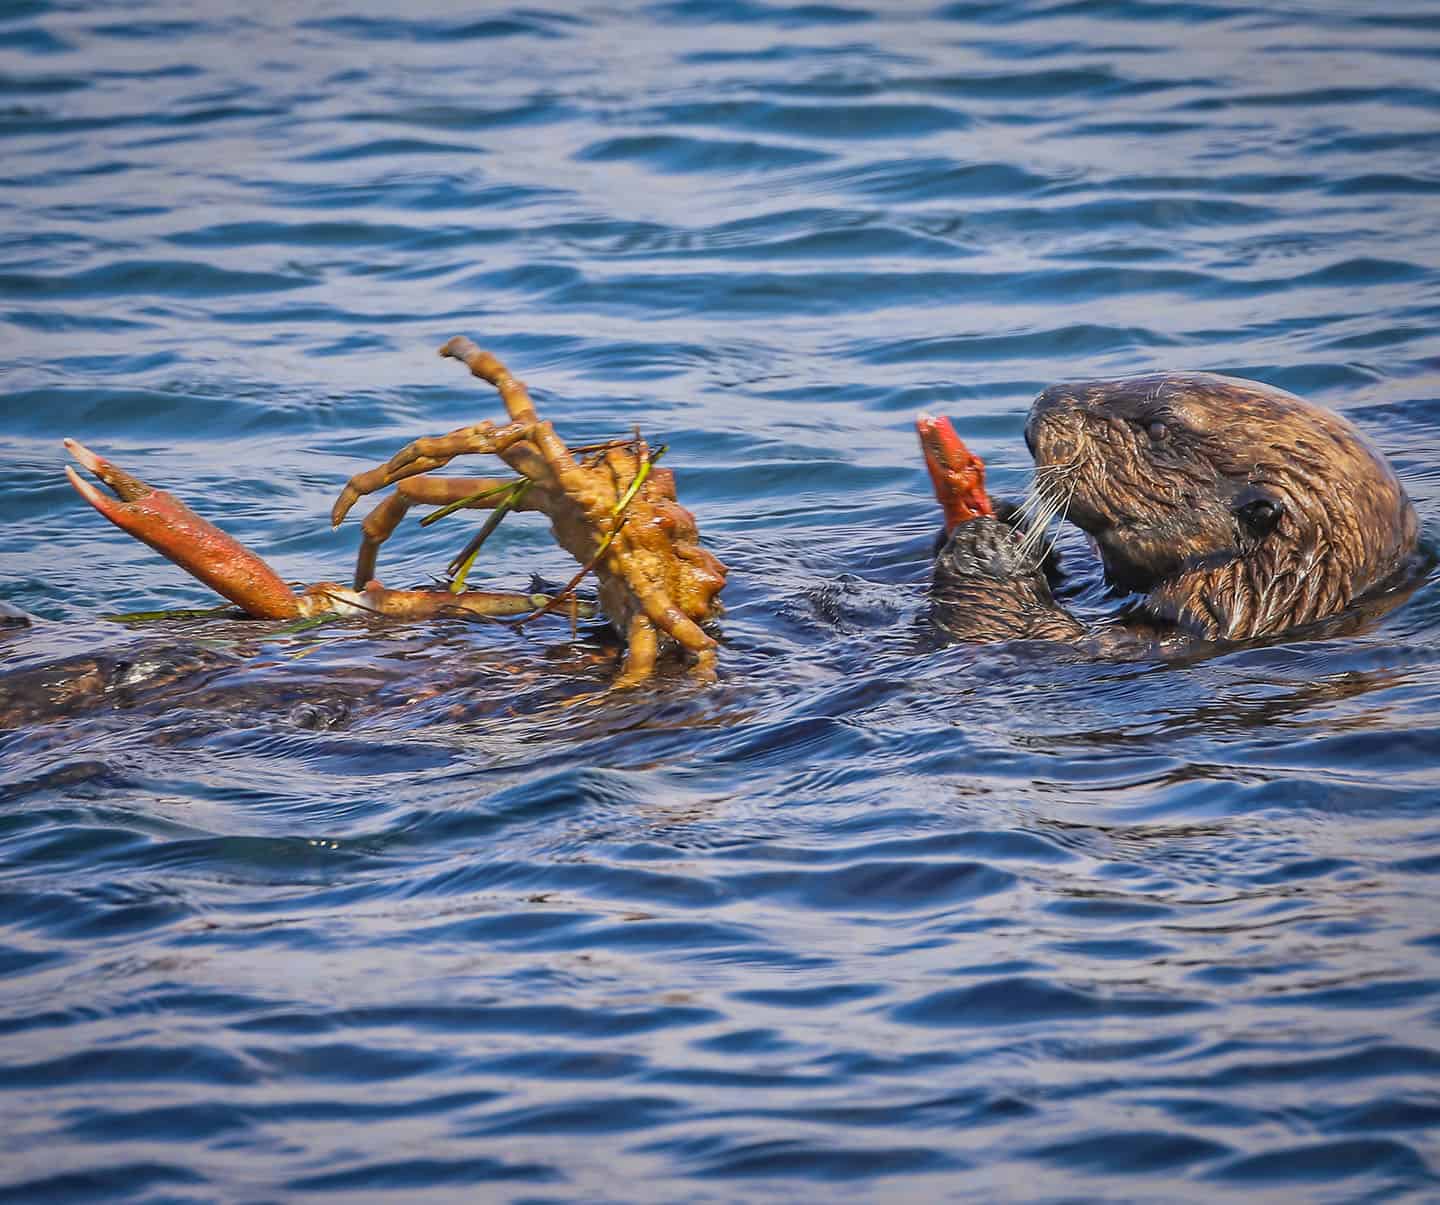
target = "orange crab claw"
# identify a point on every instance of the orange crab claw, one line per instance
(178, 533)
(957, 474)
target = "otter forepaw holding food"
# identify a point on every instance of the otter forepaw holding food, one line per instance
(990, 582)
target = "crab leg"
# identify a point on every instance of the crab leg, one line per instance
(510, 443)
(642, 649)
(381, 522)
(375, 599)
(178, 533)
(957, 474)
(487, 366)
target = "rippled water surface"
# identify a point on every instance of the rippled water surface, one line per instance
(371, 912)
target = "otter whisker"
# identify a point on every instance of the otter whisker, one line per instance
(1037, 507)
(1048, 508)
(1063, 513)
(1049, 498)
(1028, 505)
(1024, 516)
(1044, 478)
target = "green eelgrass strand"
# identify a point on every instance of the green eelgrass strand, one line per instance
(640, 478)
(176, 613)
(451, 507)
(304, 625)
(458, 569)
(229, 610)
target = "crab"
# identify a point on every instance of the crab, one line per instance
(612, 510)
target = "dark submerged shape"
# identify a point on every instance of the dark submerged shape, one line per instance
(1239, 510)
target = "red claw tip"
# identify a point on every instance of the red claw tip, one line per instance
(957, 474)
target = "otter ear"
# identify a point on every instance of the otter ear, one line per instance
(1257, 510)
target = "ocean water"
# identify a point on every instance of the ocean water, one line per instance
(415, 912)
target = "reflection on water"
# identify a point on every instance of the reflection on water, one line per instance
(384, 911)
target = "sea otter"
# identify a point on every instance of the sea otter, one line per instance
(1236, 509)
(1233, 509)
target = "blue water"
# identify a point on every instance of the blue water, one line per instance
(369, 913)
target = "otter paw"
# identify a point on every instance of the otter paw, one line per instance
(983, 547)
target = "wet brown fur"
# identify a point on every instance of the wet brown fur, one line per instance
(1238, 509)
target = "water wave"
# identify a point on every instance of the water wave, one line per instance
(419, 910)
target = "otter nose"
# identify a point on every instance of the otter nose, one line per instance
(1048, 429)
(1052, 399)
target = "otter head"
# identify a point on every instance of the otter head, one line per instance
(1240, 509)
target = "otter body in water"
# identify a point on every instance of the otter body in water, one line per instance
(1236, 509)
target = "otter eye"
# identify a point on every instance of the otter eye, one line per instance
(1258, 512)
(1157, 430)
